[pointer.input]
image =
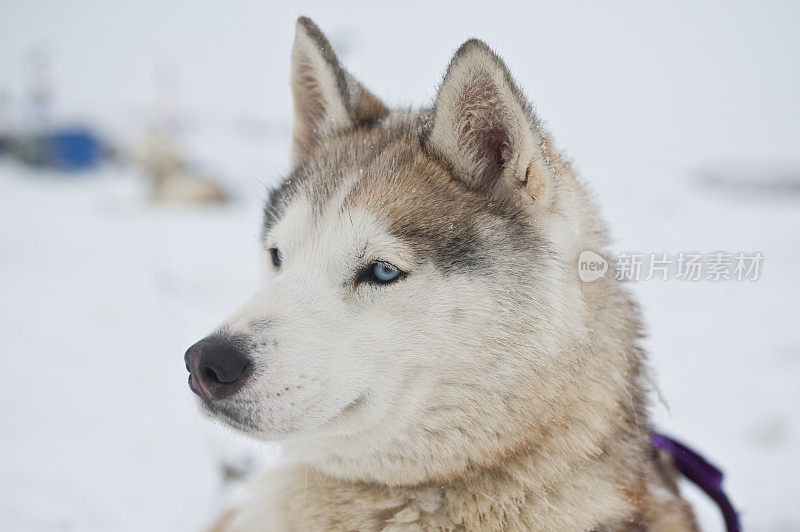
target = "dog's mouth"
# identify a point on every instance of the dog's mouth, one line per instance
(354, 406)
(244, 415)
(235, 415)
(350, 409)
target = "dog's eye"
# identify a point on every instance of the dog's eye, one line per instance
(277, 257)
(383, 273)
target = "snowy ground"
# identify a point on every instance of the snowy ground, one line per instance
(100, 292)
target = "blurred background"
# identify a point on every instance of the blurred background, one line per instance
(137, 140)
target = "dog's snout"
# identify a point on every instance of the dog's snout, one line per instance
(218, 367)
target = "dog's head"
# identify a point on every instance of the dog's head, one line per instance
(419, 283)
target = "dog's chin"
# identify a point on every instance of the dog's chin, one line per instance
(231, 417)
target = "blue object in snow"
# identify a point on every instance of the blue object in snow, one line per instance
(72, 149)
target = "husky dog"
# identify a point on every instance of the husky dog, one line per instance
(422, 345)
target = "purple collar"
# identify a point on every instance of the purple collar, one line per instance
(707, 477)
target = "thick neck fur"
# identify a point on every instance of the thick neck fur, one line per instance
(578, 492)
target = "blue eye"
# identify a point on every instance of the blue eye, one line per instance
(384, 273)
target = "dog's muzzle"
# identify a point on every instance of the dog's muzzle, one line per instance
(218, 367)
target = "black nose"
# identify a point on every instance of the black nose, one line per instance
(218, 367)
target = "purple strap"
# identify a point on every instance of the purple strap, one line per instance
(707, 477)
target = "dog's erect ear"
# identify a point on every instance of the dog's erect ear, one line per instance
(483, 127)
(326, 97)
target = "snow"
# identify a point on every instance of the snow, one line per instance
(101, 293)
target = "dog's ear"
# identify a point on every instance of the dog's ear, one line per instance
(326, 97)
(484, 128)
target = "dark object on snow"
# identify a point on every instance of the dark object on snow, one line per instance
(764, 179)
(70, 149)
(697, 469)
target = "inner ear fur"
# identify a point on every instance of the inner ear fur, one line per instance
(484, 129)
